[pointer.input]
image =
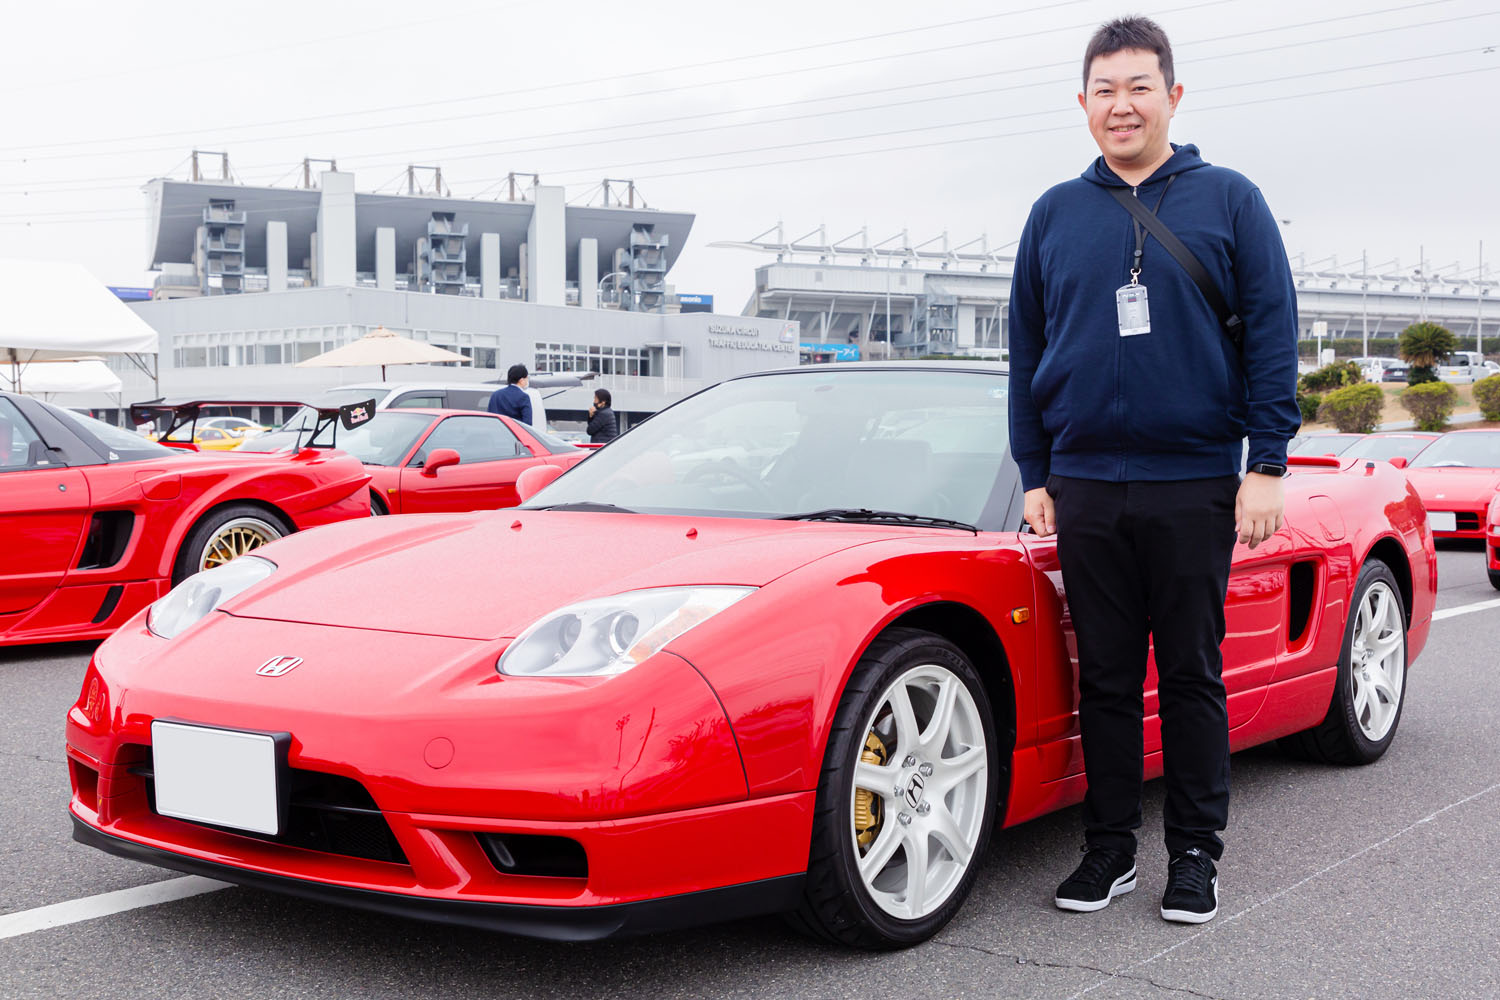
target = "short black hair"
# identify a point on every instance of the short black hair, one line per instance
(1130, 33)
(603, 396)
(516, 374)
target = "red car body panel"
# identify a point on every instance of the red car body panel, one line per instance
(45, 597)
(469, 485)
(664, 771)
(1465, 492)
(1492, 543)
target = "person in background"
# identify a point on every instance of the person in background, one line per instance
(511, 399)
(603, 427)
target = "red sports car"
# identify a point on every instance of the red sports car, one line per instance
(97, 522)
(428, 461)
(779, 648)
(1457, 477)
(1492, 543)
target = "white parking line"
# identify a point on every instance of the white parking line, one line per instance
(104, 904)
(1465, 609)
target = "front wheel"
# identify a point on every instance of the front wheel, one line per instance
(906, 799)
(225, 534)
(1370, 687)
(1494, 578)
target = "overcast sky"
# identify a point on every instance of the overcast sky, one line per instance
(1369, 125)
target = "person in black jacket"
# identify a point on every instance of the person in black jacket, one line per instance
(603, 427)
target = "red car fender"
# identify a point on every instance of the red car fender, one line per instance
(297, 492)
(780, 688)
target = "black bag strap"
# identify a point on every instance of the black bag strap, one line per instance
(1230, 323)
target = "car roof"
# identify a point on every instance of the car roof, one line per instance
(945, 364)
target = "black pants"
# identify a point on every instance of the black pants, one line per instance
(1139, 558)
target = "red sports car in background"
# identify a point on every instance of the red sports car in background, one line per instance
(779, 648)
(426, 461)
(1457, 477)
(97, 522)
(1388, 446)
(1492, 543)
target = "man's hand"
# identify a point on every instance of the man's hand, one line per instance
(1257, 508)
(1040, 513)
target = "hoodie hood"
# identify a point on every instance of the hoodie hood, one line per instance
(1183, 158)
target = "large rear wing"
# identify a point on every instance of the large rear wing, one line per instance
(184, 412)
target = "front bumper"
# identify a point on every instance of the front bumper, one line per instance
(556, 923)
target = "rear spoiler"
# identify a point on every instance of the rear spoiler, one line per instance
(1318, 461)
(181, 413)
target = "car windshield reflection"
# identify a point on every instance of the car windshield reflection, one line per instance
(928, 443)
(1471, 449)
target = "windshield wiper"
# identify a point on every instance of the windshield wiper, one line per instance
(863, 515)
(585, 505)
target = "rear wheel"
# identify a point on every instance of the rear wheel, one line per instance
(1370, 688)
(224, 534)
(906, 799)
(377, 505)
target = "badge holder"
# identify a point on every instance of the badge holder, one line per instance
(1132, 308)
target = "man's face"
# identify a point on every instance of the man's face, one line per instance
(1129, 108)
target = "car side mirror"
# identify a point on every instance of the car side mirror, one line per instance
(535, 479)
(440, 458)
(1399, 462)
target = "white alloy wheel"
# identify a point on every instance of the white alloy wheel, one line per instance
(919, 793)
(1377, 661)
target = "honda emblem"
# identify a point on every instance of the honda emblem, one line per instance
(278, 665)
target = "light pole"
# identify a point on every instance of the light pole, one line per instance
(612, 274)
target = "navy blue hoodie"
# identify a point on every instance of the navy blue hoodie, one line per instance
(1175, 403)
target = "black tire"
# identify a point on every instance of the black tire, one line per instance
(378, 506)
(836, 905)
(1494, 578)
(1339, 738)
(254, 520)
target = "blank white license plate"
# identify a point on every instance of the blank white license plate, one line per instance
(217, 776)
(1442, 520)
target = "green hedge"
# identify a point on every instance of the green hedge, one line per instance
(1487, 395)
(1431, 404)
(1340, 373)
(1354, 409)
(1308, 403)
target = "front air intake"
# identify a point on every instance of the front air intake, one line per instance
(535, 854)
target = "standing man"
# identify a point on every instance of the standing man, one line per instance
(603, 427)
(1128, 417)
(511, 399)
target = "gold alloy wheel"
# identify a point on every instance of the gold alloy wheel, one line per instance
(235, 538)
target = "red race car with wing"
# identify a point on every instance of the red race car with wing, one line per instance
(425, 461)
(1457, 476)
(97, 522)
(779, 648)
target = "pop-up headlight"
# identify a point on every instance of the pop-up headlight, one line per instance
(609, 635)
(200, 593)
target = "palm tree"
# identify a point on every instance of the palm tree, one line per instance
(1422, 345)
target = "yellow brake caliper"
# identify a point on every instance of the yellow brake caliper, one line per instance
(867, 808)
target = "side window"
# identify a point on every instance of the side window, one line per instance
(20, 447)
(470, 399)
(476, 439)
(420, 400)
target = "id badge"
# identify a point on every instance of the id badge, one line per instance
(1134, 313)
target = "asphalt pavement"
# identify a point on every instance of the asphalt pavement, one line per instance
(1374, 882)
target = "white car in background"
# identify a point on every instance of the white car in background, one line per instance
(1462, 366)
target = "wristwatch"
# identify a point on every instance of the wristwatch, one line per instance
(1268, 469)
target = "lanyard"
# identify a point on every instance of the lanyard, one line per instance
(1140, 234)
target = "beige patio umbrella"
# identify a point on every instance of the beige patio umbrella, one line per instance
(381, 347)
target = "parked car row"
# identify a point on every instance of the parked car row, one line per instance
(1459, 367)
(1457, 475)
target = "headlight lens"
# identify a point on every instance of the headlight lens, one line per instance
(199, 594)
(609, 635)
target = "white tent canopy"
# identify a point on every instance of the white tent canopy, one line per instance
(85, 375)
(56, 310)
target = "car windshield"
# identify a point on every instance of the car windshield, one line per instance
(1472, 449)
(384, 440)
(1326, 444)
(924, 442)
(552, 442)
(1383, 447)
(120, 444)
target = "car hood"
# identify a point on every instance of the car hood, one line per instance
(489, 574)
(1454, 483)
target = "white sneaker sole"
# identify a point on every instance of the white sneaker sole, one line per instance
(1191, 916)
(1125, 883)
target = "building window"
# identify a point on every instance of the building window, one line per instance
(592, 358)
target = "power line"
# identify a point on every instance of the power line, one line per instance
(61, 185)
(600, 79)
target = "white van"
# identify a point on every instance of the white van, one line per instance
(1462, 366)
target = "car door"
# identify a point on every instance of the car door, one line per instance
(490, 459)
(44, 509)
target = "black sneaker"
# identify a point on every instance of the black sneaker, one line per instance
(1192, 895)
(1102, 875)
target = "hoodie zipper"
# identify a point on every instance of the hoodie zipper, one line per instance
(1135, 192)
